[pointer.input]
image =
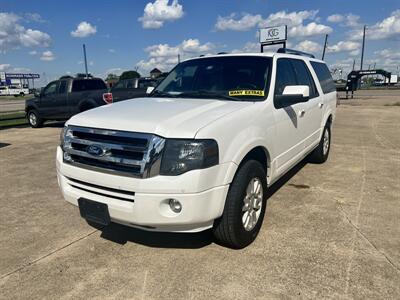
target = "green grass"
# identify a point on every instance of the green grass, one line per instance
(18, 118)
(12, 98)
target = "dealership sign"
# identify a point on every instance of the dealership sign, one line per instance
(22, 76)
(273, 35)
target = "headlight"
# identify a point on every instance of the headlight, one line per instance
(65, 133)
(181, 156)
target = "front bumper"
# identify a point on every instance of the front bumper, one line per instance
(144, 202)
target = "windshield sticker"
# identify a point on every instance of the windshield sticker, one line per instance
(246, 93)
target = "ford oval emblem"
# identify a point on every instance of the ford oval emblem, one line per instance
(96, 150)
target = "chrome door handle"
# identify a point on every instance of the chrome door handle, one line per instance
(302, 113)
(320, 105)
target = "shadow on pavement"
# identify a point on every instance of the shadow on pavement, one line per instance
(122, 234)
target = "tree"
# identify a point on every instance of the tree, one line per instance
(112, 77)
(129, 75)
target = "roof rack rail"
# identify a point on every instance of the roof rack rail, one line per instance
(219, 53)
(294, 52)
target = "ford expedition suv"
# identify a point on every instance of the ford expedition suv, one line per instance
(63, 98)
(203, 149)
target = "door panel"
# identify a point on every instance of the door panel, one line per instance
(289, 126)
(47, 100)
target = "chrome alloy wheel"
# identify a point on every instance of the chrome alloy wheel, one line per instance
(325, 147)
(32, 119)
(252, 204)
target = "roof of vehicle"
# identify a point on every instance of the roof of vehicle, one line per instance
(259, 54)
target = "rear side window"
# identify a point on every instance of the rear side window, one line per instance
(324, 77)
(88, 85)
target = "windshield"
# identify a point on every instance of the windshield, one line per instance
(241, 78)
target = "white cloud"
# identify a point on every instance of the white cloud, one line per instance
(13, 35)
(47, 56)
(350, 20)
(84, 29)
(33, 52)
(4, 67)
(308, 46)
(344, 46)
(164, 56)
(308, 30)
(294, 20)
(155, 14)
(385, 29)
(246, 22)
(336, 18)
(111, 50)
(389, 53)
(34, 17)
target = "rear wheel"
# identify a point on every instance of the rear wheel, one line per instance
(321, 153)
(244, 207)
(34, 119)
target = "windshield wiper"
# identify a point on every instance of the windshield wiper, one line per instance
(207, 94)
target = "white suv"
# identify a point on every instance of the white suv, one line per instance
(203, 149)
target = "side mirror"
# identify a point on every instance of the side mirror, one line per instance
(36, 94)
(293, 94)
(149, 90)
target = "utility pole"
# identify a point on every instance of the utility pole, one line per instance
(354, 64)
(363, 47)
(84, 57)
(179, 58)
(326, 42)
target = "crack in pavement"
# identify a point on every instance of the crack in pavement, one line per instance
(47, 255)
(367, 239)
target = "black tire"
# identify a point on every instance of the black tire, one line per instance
(229, 229)
(319, 155)
(34, 119)
(22, 94)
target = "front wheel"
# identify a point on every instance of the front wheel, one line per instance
(34, 119)
(244, 207)
(321, 153)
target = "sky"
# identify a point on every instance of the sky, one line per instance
(46, 36)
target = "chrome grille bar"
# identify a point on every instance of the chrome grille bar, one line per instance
(112, 151)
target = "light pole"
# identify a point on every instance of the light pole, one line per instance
(326, 42)
(363, 47)
(84, 57)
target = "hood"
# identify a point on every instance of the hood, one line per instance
(167, 117)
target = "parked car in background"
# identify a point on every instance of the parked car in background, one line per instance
(63, 98)
(130, 88)
(13, 90)
(203, 149)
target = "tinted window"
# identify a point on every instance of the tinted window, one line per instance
(119, 85)
(303, 76)
(285, 76)
(324, 77)
(63, 87)
(242, 77)
(80, 85)
(51, 88)
(145, 83)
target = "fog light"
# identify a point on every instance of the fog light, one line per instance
(175, 205)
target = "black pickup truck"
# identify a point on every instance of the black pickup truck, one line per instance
(63, 98)
(130, 88)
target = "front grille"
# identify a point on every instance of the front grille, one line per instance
(121, 152)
